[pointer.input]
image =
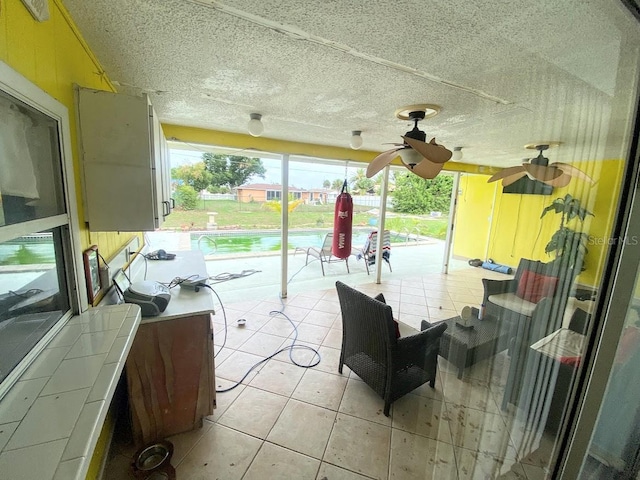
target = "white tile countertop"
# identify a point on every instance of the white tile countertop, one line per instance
(51, 418)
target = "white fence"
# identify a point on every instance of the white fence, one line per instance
(217, 196)
(372, 201)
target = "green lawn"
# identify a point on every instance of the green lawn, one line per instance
(253, 216)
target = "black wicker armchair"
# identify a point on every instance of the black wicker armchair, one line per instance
(391, 366)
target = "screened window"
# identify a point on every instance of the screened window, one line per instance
(273, 195)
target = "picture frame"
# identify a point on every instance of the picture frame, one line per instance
(92, 272)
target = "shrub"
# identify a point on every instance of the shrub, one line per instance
(186, 197)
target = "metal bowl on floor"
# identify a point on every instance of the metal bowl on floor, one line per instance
(153, 456)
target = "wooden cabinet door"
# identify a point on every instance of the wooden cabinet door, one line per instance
(170, 377)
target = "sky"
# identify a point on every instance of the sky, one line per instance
(301, 175)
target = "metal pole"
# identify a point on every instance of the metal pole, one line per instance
(284, 253)
(381, 219)
(493, 208)
(452, 216)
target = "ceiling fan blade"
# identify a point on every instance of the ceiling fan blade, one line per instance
(426, 169)
(506, 172)
(381, 161)
(506, 181)
(572, 171)
(431, 151)
(561, 181)
(542, 173)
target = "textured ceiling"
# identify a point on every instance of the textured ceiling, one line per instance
(504, 73)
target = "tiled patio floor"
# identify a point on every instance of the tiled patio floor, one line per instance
(284, 421)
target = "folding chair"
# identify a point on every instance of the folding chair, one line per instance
(370, 246)
(323, 254)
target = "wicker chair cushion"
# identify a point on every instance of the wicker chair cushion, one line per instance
(534, 286)
(510, 301)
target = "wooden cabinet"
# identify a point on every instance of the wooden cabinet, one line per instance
(170, 376)
(125, 162)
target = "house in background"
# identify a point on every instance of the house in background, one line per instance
(265, 192)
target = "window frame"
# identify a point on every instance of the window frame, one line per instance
(16, 85)
(274, 195)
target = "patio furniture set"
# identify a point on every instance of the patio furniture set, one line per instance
(519, 312)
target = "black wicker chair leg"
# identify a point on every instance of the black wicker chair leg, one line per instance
(387, 407)
(432, 383)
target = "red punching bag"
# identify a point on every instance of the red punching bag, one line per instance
(341, 246)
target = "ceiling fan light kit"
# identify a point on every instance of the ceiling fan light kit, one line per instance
(554, 174)
(356, 139)
(424, 159)
(457, 154)
(255, 125)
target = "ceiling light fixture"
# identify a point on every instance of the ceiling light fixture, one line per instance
(410, 157)
(457, 154)
(255, 125)
(356, 139)
(423, 158)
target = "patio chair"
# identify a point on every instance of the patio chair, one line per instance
(368, 252)
(324, 253)
(391, 366)
(530, 306)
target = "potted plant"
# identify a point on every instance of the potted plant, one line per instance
(569, 246)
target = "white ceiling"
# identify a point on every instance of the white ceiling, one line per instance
(504, 73)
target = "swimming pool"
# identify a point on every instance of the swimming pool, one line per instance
(264, 241)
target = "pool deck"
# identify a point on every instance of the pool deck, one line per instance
(413, 259)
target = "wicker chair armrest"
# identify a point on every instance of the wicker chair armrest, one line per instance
(494, 287)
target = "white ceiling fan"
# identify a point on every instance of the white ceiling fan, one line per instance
(425, 159)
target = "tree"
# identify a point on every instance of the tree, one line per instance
(337, 184)
(276, 205)
(360, 183)
(194, 175)
(413, 194)
(326, 184)
(232, 170)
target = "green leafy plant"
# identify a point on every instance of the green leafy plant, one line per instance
(186, 197)
(569, 246)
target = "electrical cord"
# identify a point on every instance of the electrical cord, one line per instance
(180, 280)
(225, 277)
(315, 359)
(26, 293)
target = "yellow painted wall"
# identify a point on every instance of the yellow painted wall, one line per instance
(516, 230)
(53, 55)
(473, 216)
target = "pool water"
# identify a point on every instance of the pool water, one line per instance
(226, 243)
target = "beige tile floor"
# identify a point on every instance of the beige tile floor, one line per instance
(288, 422)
